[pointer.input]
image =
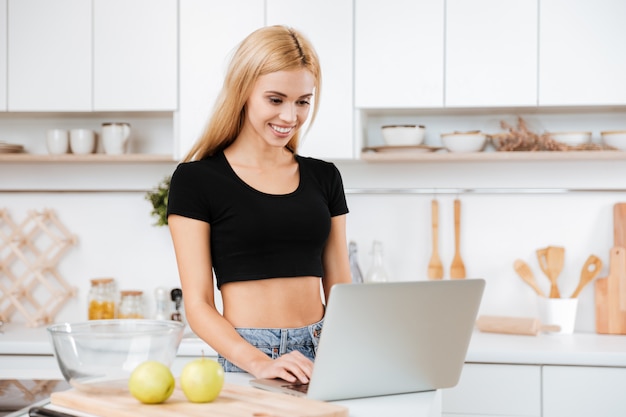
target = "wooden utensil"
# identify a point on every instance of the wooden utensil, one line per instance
(435, 267)
(590, 270)
(457, 268)
(524, 271)
(551, 261)
(610, 318)
(513, 325)
(233, 401)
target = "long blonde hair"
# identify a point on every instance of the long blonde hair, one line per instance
(266, 50)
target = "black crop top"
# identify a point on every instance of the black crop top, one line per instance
(256, 235)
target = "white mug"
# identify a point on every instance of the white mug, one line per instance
(57, 141)
(82, 141)
(115, 138)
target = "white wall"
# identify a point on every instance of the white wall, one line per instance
(116, 238)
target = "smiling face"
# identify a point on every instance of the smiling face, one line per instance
(278, 106)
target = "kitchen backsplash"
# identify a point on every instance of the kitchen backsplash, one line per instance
(116, 238)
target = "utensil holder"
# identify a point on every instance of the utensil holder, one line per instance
(560, 312)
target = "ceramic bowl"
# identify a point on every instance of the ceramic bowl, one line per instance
(98, 356)
(572, 138)
(615, 139)
(403, 135)
(473, 141)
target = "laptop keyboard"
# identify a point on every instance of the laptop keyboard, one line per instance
(303, 388)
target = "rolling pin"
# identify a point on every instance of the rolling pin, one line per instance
(513, 325)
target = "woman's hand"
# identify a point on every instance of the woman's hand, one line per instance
(292, 367)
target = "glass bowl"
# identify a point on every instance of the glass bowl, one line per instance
(98, 356)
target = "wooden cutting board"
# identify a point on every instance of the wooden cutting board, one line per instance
(619, 240)
(610, 317)
(233, 401)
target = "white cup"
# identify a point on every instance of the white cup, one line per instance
(57, 141)
(559, 311)
(82, 141)
(115, 138)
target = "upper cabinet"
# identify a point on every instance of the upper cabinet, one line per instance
(3, 55)
(582, 60)
(330, 135)
(105, 55)
(491, 53)
(49, 58)
(399, 53)
(135, 55)
(209, 32)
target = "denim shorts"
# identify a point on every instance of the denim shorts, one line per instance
(277, 342)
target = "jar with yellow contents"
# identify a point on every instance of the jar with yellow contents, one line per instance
(102, 299)
(131, 305)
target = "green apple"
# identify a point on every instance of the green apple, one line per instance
(151, 382)
(201, 380)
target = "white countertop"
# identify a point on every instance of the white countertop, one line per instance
(545, 349)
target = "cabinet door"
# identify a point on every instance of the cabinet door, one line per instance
(491, 53)
(580, 391)
(3, 55)
(49, 59)
(331, 133)
(209, 31)
(399, 53)
(495, 390)
(135, 55)
(582, 59)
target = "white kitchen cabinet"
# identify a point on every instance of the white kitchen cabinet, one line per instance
(3, 55)
(135, 55)
(399, 53)
(209, 32)
(331, 133)
(582, 60)
(495, 390)
(583, 391)
(491, 53)
(49, 55)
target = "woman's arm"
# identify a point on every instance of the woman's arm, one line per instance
(191, 240)
(335, 257)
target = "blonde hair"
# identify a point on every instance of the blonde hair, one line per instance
(266, 50)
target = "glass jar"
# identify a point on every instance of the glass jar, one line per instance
(102, 299)
(377, 271)
(131, 305)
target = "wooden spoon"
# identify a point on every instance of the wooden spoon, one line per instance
(435, 267)
(590, 270)
(524, 271)
(457, 268)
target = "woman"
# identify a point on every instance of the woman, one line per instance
(269, 222)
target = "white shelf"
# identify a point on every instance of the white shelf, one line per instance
(95, 158)
(444, 156)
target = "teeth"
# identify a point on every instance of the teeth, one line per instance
(281, 129)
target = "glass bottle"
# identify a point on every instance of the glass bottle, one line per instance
(355, 270)
(161, 298)
(131, 305)
(102, 299)
(377, 272)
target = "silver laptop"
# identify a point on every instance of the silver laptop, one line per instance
(390, 338)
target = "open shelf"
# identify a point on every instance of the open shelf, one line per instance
(95, 158)
(444, 156)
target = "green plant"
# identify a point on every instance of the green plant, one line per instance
(158, 198)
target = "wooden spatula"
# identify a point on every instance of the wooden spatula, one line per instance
(457, 268)
(524, 271)
(555, 258)
(590, 270)
(551, 262)
(435, 267)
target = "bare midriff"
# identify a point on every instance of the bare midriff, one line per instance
(273, 303)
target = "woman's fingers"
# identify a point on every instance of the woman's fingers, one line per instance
(292, 367)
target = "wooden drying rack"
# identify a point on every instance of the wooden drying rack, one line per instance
(29, 253)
